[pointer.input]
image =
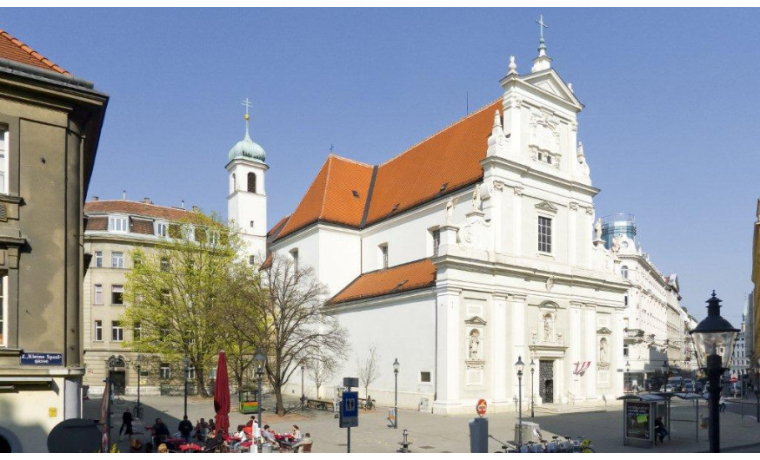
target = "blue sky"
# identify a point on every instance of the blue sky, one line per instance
(670, 127)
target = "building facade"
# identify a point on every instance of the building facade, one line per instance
(756, 283)
(50, 123)
(740, 365)
(469, 251)
(114, 229)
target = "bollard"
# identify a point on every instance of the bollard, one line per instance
(479, 436)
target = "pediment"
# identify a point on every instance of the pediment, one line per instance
(604, 331)
(551, 83)
(546, 206)
(476, 320)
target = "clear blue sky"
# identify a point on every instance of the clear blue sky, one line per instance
(670, 126)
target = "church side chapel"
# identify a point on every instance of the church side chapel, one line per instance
(470, 250)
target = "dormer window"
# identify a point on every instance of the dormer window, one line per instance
(118, 224)
(162, 229)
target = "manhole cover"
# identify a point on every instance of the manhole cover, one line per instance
(427, 447)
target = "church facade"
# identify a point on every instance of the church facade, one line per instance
(473, 249)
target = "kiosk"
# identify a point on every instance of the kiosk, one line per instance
(639, 414)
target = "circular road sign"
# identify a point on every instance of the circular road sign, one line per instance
(481, 407)
(734, 379)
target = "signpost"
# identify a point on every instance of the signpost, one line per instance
(41, 359)
(481, 407)
(349, 408)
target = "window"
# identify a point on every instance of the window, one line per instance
(383, 248)
(190, 373)
(4, 161)
(544, 234)
(162, 229)
(294, 255)
(436, 241)
(624, 271)
(625, 351)
(117, 295)
(136, 259)
(118, 224)
(165, 264)
(98, 294)
(251, 260)
(99, 259)
(3, 312)
(424, 377)
(252, 182)
(251, 224)
(117, 260)
(117, 331)
(175, 231)
(165, 371)
(625, 299)
(137, 331)
(98, 331)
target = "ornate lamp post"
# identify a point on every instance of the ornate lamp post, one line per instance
(520, 366)
(138, 361)
(532, 404)
(627, 379)
(396, 365)
(186, 363)
(714, 340)
(260, 359)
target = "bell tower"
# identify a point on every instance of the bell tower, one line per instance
(247, 199)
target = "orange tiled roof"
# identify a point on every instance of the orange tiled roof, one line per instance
(13, 49)
(401, 278)
(338, 195)
(451, 156)
(135, 208)
(277, 227)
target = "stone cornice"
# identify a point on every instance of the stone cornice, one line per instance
(524, 170)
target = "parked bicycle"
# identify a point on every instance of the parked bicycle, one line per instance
(137, 412)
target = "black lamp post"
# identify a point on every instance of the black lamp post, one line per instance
(139, 374)
(396, 365)
(260, 359)
(714, 340)
(532, 370)
(627, 379)
(520, 366)
(186, 362)
(303, 394)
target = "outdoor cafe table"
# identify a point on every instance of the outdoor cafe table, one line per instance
(187, 448)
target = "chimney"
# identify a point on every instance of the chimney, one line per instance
(95, 198)
(146, 200)
(123, 194)
(195, 208)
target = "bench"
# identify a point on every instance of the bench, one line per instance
(320, 405)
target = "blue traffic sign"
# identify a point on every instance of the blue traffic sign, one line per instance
(349, 409)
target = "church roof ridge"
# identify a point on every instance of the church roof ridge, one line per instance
(13, 49)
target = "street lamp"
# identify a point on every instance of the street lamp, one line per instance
(714, 342)
(627, 378)
(396, 365)
(532, 370)
(186, 362)
(138, 361)
(303, 394)
(520, 366)
(260, 359)
(665, 368)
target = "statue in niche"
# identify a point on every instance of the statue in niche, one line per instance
(548, 327)
(474, 344)
(598, 229)
(476, 199)
(603, 351)
(449, 211)
(616, 244)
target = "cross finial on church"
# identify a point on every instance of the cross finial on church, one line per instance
(541, 26)
(247, 104)
(331, 148)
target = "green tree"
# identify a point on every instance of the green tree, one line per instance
(174, 288)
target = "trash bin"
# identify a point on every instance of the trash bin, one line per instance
(528, 429)
(705, 422)
(266, 448)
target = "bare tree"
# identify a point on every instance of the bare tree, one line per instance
(321, 370)
(369, 369)
(287, 312)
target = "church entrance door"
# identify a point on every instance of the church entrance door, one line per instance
(546, 380)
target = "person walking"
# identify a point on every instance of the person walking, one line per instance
(185, 429)
(126, 422)
(722, 403)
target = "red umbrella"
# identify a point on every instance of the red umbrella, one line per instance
(222, 395)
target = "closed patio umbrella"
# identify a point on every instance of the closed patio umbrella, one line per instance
(222, 395)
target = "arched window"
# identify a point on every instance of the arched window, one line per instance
(232, 184)
(252, 182)
(624, 271)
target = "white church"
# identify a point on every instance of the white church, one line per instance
(469, 250)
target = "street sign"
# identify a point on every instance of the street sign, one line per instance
(350, 382)
(349, 409)
(481, 407)
(41, 359)
(734, 379)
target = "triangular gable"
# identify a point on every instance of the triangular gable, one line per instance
(550, 82)
(604, 331)
(546, 206)
(476, 320)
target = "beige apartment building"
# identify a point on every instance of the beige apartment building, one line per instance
(50, 123)
(114, 229)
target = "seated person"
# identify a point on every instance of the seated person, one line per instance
(160, 432)
(306, 441)
(215, 441)
(241, 434)
(659, 429)
(267, 434)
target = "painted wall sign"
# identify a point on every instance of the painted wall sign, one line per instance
(42, 359)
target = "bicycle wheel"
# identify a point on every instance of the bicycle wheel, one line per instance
(137, 412)
(118, 401)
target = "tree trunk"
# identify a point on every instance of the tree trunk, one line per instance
(201, 382)
(278, 398)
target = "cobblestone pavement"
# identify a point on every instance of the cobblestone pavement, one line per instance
(435, 433)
